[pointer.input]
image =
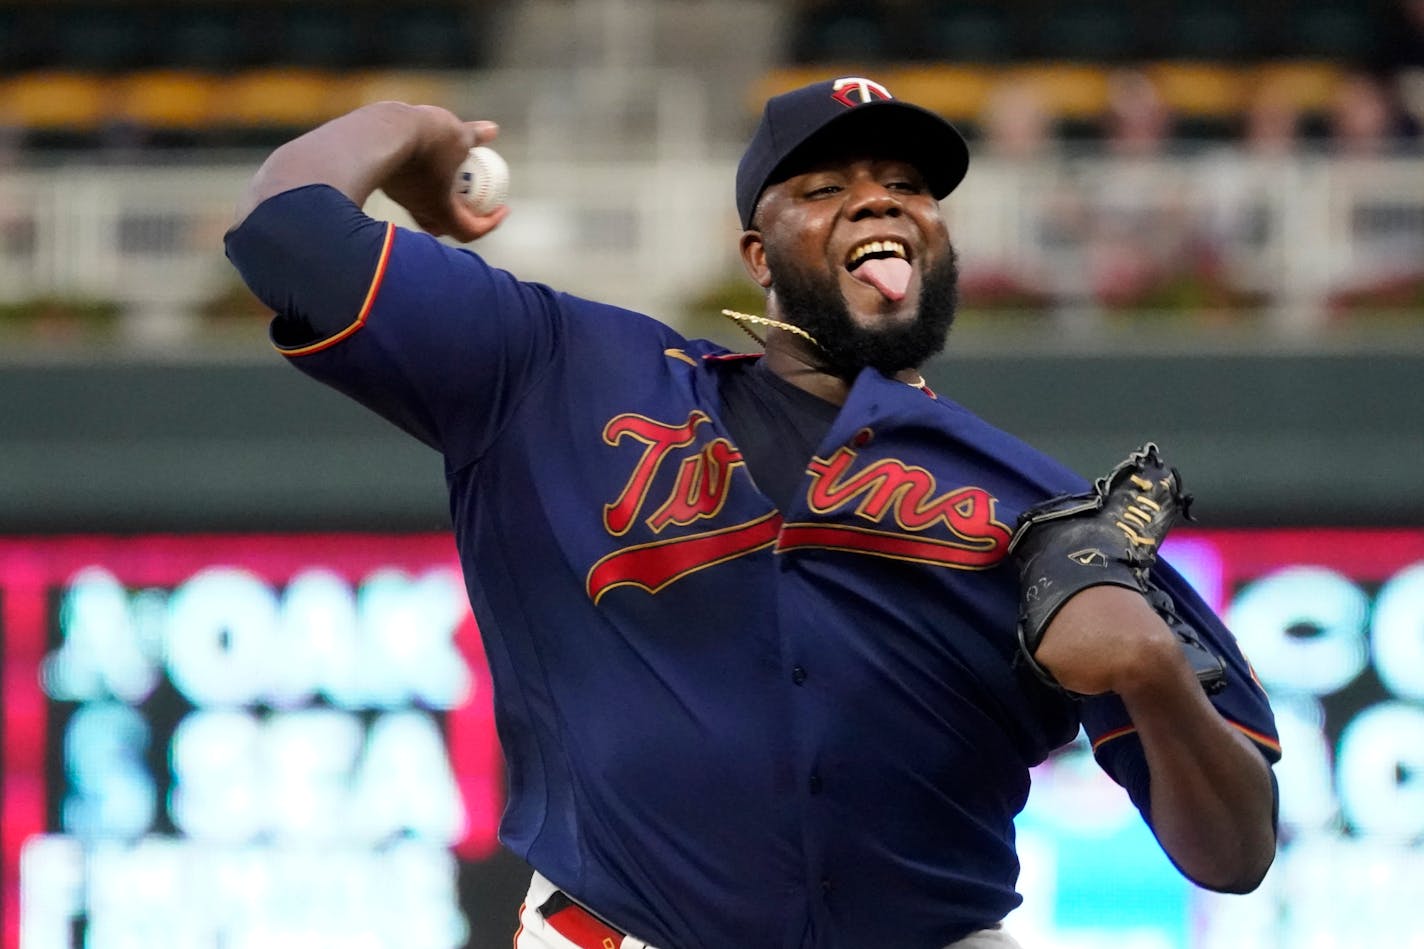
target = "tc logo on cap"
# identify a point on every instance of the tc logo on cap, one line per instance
(853, 91)
(794, 124)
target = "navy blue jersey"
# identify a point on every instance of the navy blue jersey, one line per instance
(726, 724)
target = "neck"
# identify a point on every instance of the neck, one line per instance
(800, 364)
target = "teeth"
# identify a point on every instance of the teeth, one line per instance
(878, 247)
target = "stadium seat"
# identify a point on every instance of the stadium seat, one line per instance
(958, 93)
(166, 99)
(1072, 92)
(281, 98)
(1200, 90)
(1309, 86)
(398, 85)
(55, 100)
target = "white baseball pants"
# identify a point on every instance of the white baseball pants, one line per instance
(569, 926)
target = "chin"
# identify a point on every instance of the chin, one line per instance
(856, 325)
(890, 314)
(870, 310)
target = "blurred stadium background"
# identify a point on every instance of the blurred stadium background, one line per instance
(1200, 221)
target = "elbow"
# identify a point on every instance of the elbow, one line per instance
(1241, 876)
(1242, 886)
(1254, 874)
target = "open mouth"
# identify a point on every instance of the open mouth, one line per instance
(884, 264)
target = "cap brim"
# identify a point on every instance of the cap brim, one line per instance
(892, 128)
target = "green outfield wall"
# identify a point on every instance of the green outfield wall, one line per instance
(1260, 439)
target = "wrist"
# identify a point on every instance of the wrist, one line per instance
(1107, 638)
(392, 133)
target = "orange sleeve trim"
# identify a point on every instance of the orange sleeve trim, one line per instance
(1257, 737)
(1115, 733)
(366, 304)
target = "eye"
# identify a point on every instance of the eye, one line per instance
(823, 191)
(902, 177)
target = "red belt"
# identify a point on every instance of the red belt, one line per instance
(578, 925)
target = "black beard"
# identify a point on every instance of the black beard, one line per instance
(812, 300)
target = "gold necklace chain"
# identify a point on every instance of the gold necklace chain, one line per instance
(742, 319)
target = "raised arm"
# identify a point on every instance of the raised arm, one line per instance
(411, 152)
(1093, 621)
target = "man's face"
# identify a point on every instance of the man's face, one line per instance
(857, 254)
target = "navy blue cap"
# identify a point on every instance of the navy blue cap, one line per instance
(797, 125)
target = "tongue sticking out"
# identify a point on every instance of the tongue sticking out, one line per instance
(889, 275)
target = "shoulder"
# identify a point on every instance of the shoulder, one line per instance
(618, 334)
(1031, 467)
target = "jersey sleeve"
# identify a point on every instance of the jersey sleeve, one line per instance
(427, 335)
(1242, 703)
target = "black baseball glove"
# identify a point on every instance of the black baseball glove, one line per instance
(1109, 535)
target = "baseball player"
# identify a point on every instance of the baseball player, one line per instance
(775, 637)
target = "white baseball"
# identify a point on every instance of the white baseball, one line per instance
(483, 179)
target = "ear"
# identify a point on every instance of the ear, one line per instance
(753, 250)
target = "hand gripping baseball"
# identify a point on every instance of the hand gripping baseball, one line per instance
(1109, 535)
(423, 174)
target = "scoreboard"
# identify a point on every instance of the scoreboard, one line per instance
(268, 740)
(242, 741)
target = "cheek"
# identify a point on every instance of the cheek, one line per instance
(931, 222)
(810, 257)
(805, 227)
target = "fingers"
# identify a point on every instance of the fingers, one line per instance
(423, 186)
(470, 226)
(484, 131)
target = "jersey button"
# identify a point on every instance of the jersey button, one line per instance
(798, 675)
(815, 784)
(826, 885)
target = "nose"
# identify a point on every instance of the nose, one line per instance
(870, 198)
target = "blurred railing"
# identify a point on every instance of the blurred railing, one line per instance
(144, 237)
(1291, 242)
